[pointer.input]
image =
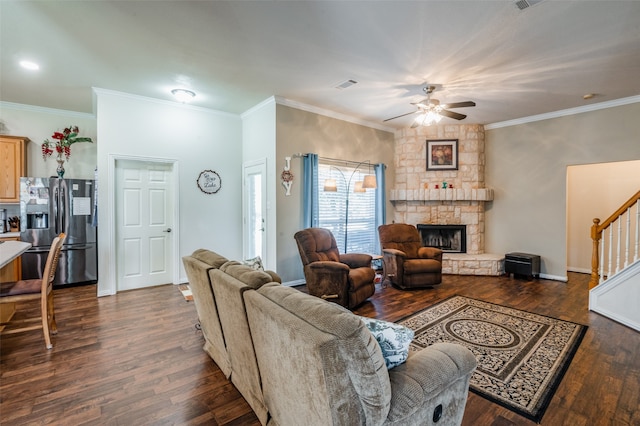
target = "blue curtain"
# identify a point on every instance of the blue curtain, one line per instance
(381, 200)
(310, 211)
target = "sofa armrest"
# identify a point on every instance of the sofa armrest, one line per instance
(356, 260)
(430, 253)
(426, 374)
(274, 276)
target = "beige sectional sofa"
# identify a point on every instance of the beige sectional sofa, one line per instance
(197, 267)
(300, 360)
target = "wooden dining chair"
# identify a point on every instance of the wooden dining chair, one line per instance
(33, 290)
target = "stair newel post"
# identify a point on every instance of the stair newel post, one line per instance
(596, 235)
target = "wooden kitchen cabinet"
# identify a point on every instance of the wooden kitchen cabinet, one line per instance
(12, 271)
(13, 165)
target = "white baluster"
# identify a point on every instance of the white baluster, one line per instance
(626, 253)
(610, 249)
(619, 245)
(602, 238)
(635, 256)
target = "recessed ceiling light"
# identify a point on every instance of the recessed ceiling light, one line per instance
(29, 65)
(183, 95)
(589, 96)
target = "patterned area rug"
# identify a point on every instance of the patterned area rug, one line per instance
(521, 356)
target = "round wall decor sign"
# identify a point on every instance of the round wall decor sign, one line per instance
(209, 182)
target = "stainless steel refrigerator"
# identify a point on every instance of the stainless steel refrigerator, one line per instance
(49, 206)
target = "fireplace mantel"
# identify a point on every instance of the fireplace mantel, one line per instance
(449, 194)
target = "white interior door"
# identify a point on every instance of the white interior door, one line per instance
(255, 210)
(144, 212)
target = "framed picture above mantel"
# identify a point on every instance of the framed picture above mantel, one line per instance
(442, 154)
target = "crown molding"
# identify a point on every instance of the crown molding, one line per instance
(269, 101)
(332, 114)
(45, 110)
(564, 112)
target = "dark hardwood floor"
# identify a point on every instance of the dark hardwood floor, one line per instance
(137, 358)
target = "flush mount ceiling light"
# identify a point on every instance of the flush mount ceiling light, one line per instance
(32, 66)
(183, 95)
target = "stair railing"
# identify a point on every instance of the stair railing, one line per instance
(608, 248)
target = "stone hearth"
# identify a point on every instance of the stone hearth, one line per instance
(473, 264)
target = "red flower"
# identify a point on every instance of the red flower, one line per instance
(62, 143)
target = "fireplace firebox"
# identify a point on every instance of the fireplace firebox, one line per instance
(448, 238)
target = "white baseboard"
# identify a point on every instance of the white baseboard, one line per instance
(554, 277)
(579, 270)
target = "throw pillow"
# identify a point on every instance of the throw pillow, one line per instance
(255, 263)
(393, 339)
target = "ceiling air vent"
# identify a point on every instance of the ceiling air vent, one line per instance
(523, 4)
(346, 84)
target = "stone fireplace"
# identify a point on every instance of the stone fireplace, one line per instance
(418, 195)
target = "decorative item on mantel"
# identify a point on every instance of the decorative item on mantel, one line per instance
(62, 146)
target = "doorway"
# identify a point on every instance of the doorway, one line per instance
(254, 209)
(145, 213)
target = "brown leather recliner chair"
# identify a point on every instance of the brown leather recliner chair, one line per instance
(407, 264)
(346, 279)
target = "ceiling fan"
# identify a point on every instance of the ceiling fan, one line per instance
(431, 111)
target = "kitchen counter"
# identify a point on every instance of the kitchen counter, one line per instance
(9, 250)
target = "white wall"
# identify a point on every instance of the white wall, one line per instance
(197, 139)
(259, 143)
(526, 165)
(595, 191)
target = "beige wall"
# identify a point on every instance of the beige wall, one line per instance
(300, 131)
(595, 191)
(527, 164)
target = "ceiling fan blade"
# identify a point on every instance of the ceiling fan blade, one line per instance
(393, 118)
(452, 114)
(460, 104)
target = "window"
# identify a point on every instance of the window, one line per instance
(360, 217)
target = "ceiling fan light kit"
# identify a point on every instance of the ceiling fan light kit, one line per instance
(431, 111)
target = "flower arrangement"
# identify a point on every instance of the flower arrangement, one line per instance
(62, 143)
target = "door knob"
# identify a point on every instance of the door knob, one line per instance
(167, 230)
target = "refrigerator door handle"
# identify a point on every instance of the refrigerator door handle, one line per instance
(38, 250)
(63, 200)
(76, 247)
(55, 211)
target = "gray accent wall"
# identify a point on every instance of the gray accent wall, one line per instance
(526, 165)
